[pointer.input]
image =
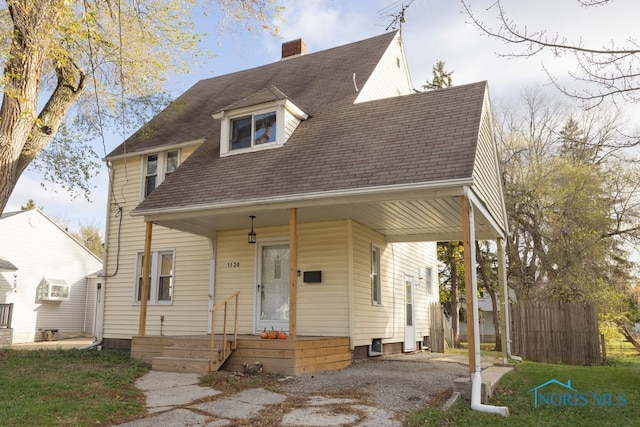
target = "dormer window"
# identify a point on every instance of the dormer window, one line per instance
(252, 130)
(261, 121)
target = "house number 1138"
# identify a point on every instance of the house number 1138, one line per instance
(233, 264)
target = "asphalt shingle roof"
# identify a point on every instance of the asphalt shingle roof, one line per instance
(423, 137)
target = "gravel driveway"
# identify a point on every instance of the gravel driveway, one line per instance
(398, 383)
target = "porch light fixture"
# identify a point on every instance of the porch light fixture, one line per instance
(252, 234)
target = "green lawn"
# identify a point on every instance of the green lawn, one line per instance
(68, 387)
(83, 388)
(605, 396)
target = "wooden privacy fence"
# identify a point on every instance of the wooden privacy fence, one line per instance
(553, 332)
(437, 328)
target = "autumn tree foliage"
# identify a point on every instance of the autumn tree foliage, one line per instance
(571, 190)
(99, 56)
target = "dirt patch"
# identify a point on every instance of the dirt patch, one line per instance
(399, 385)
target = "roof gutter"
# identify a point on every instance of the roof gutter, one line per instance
(362, 195)
(155, 149)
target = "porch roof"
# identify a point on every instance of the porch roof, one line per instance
(397, 165)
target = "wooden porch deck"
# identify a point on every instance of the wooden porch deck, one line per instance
(288, 357)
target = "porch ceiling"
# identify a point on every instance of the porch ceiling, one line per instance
(400, 220)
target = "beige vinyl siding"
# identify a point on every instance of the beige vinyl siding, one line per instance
(290, 124)
(389, 78)
(188, 312)
(386, 321)
(322, 307)
(235, 271)
(372, 321)
(486, 175)
(411, 259)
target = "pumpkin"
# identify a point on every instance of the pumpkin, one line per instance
(282, 335)
(264, 334)
(272, 334)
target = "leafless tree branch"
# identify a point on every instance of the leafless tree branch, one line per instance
(610, 71)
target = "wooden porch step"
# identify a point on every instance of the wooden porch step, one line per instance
(180, 364)
(191, 355)
(188, 352)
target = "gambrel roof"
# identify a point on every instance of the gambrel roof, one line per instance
(375, 159)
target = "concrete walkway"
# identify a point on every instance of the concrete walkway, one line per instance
(176, 400)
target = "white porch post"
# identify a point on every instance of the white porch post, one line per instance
(504, 292)
(470, 284)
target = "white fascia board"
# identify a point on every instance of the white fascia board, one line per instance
(361, 195)
(477, 203)
(158, 148)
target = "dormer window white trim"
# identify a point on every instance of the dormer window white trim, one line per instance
(258, 127)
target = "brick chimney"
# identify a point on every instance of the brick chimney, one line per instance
(293, 48)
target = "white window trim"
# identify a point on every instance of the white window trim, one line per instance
(225, 149)
(283, 108)
(155, 273)
(161, 172)
(376, 252)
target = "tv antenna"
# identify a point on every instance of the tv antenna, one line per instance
(398, 18)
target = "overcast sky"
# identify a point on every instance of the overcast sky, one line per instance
(434, 30)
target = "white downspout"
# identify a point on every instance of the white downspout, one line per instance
(502, 275)
(476, 379)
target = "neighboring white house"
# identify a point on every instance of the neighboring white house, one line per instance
(49, 277)
(485, 317)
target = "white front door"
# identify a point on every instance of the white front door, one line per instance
(272, 299)
(410, 316)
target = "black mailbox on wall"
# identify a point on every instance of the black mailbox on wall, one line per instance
(312, 277)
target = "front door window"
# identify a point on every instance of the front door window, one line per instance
(273, 287)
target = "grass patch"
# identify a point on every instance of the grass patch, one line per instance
(232, 383)
(622, 376)
(486, 350)
(69, 387)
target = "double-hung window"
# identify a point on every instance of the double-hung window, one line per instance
(376, 288)
(160, 279)
(157, 167)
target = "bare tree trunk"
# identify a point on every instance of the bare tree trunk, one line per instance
(455, 309)
(492, 293)
(24, 132)
(496, 318)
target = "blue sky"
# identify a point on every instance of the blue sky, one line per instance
(434, 30)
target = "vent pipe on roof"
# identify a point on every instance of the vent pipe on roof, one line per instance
(293, 49)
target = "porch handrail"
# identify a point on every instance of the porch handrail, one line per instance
(6, 312)
(223, 350)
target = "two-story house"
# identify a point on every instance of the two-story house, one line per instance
(314, 189)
